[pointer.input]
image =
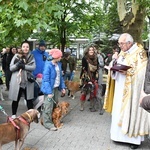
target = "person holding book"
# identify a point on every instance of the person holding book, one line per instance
(129, 121)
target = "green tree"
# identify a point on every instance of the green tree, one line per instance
(132, 15)
(54, 20)
(75, 19)
(19, 18)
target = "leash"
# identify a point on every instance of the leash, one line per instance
(3, 111)
(51, 99)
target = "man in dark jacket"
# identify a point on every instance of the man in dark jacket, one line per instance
(68, 66)
(7, 56)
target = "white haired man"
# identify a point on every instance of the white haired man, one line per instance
(129, 121)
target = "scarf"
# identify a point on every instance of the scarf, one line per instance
(92, 59)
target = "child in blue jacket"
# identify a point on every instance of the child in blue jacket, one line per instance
(52, 82)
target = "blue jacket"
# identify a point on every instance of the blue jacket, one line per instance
(40, 58)
(49, 76)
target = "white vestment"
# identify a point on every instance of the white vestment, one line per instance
(116, 131)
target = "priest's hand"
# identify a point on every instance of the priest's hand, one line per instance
(123, 72)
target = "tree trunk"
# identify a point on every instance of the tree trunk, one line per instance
(63, 32)
(132, 18)
(135, 29)
(63, 39)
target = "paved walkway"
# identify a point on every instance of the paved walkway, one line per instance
(81, 131)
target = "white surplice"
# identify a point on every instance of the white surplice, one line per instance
(116, 132)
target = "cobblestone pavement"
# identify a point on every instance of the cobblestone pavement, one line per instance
(81, 131)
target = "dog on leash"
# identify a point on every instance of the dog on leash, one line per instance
(73, 87)
(59, 112)
(17, 129)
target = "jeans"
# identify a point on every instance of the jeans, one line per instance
(68, 76)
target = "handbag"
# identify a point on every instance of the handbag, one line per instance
(30, 77)
(92, 67)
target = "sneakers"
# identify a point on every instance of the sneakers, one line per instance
(53, 129)
(25, 102)
(13, 116)
(2, 99)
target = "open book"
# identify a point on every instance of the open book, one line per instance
(119, 67)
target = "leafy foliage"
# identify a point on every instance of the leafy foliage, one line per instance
(56, 21)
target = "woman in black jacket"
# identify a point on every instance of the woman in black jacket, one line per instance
(8, 73)
(88, 76)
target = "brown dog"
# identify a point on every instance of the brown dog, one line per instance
(18, 131)
(73, 87)
(59, 112)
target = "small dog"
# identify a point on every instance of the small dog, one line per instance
(59, 112)
(87, 88)
(96, 95)
(17, 132)
(73, 87)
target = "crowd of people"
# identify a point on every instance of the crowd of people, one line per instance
(127, 90)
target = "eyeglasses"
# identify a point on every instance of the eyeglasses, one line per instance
(121, 44)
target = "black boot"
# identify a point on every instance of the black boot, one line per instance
(134, 146)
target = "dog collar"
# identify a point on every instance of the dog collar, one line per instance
(29, 117)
